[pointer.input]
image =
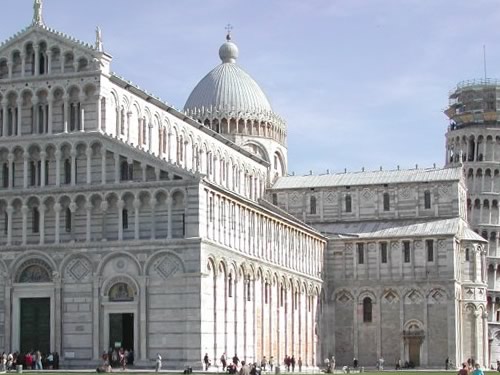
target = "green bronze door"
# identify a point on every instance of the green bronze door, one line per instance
(35, 324)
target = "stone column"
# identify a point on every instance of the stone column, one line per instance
(153, 218)
(37, 60)
(58, 167)
(89, 165)
(43, 171)
(34, 109)
(9, 67)
(486, 359)
(23, 64)
(19, 103)
(4, 117)
(88, 208)
(99, 114)
(24, 211)
(49, 61)
(51, 113)
(104, 209)
(95, 318)
(169, 213)
(10, 213)
(57, 312)
(103, 166)
(10, 159)
(495, 277)
(129, 115)
(41, 211)
(25, 169)
(66, 113)
(72, 209)
(150, 137)
(143, 283)
(121, 205)
(82, 113)
(57, 210)
(137, 206)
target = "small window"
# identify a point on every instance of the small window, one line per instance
(125, 218)
(467, 255)
(282, 296)
(6, 222)
(387, 202)
(361, 253)
(348, 203)
(429, 244)
(230, 286)
(36, 220)
(266, 293)
(313, 206)
(296, 300)
(275, 199)
(367, 310)
(32, 173)
(47, 164)
(427, 200)
(383, 252)
(406, 251)
(68, 220)
(124, 169)
(211, 209)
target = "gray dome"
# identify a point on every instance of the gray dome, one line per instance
(228, 88)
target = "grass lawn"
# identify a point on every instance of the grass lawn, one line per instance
(139, 372)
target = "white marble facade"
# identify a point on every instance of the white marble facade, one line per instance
(115, 203)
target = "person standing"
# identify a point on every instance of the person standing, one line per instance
(299, 362)
(292, 362)
(271, 363)
(38, 360)
(158, 362)
(206, 361)
(263, 364)
(236, 361)
(223, 361)
(245, 370)
(355, 363)
(463, 370)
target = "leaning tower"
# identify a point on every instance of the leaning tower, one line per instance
(473, 139)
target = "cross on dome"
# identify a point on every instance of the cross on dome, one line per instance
(38, 12)
(229, 28)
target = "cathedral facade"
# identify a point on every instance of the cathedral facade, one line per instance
(128, 223)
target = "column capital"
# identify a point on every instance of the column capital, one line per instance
(10, 209)
(120, 204)
(24, 209)
(42, 208)
(88, 152)
(137, 203)
(57, 207)
(58, 154)
(43, 155)
(72, 206)
(88, 206)
(104, 206)
(19, 101)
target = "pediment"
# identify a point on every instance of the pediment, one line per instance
(51, 41)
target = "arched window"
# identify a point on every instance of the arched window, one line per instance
(36, 220)
(5, 175)
(249, 289)
(6, 222)
(348, 203)
(266, 293)
(367, 310)
(427, 199)
(313, 205)
(67, 171)
(125, 218)
(467, 255)
(68, 220)
(387, 202)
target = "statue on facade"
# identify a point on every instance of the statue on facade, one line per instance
(37, 12)
(98, 39)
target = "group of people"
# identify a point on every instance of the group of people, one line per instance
(33, 360)
(117, 358)
(234, 365)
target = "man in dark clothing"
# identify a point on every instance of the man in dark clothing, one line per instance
(292, 362)
(355, 363)
(236, 360)
(206, 361)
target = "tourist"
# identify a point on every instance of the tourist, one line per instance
(123, 359)
(292, 362)
(327, 365)
(28, 361)
(223, 361)
(56, 361)
(271, 363)
(263, 364)
(158, 362)
(332, 364)
(355, 363)
(447, 363)
(4, 362)
(206, 361)
(464, 370)
(477, 370)
(38, 360)
(299, 362)
(50, 361)
(236, 360)
(245, 370)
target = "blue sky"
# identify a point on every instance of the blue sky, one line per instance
(361, 83)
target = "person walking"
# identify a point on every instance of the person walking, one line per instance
(245, 370)
(158, 362)
(299, 362)
(38, 360)
(223, 361)
(206, 361)
(464, 370)
(271, 363)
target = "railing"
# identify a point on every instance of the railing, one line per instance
(477, 82)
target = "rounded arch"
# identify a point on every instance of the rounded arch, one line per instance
(109, 283)
(110, 256)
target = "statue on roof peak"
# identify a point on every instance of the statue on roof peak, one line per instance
(98, 39)
(37, 12)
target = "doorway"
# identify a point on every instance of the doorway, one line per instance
(121, 331)
(35, 324)
(414, 351)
